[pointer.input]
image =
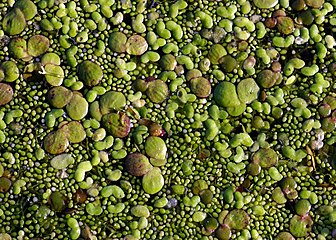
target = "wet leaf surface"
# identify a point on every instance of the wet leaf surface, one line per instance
(153, 181)
(237, 219)
(117, 124)
(265, 157)
(157, 91)
(37, 45)
(77, 108)
(300, 226)
(14, 22)
(56, 142)
(136, 45)
(6, 93)
(200, 86)
(90, 73)
(112, 101)
(137, 164)
(59, 96)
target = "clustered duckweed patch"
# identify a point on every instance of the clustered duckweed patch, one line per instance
(178, 119)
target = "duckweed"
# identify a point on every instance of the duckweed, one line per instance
(5, 184)
(117, 124)
(90, 73)
(225, 95)
(136, 45)
(18, 49)
(237, 219)
(300, 226)
(111, 101)
(247, 90)
(200, 86)
(265, 3)
(6, 93)
(56, 142)
(137, 164)
(167, 119)
(78, 107)
(153, 181)
(62, 161)
(157, 91)
(59, 96)
(54, 74)
(223, 232)
(117, 42)
(14, 22)
(285, 25)
(75, 130)
(155, 147)
(57, 201)
(27, 7)
(37, 45)
(265, 157)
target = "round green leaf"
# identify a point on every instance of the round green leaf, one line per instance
(27, 7)
(155, 147)
(300, 226)
(51, 58)
(54, 74)
(140, 211)
(198, 186)
(57, 201)
(267, 78)
(265, 3)
(223, 232)
(89, 73)
(112, 101)
(200, 86)
(75, 130)
(168, 62)
(157, 91)
(236, 110)
(265, 157)
(237, 219)
(62, 161)
(225, 95)
(302, 207)
(18, 48)
(14, 22)
(78, 107)
(59, 96)
(94, 209)
(37, 45)
(210, 224)
(117, 42)
(5, 184)
(315, 3)
(247, 90)
(153, 181)
(228, 63)
(216, 52)
(10, 70)
(56, 142)
(136, 45)
(284, 236)
(285, 25)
